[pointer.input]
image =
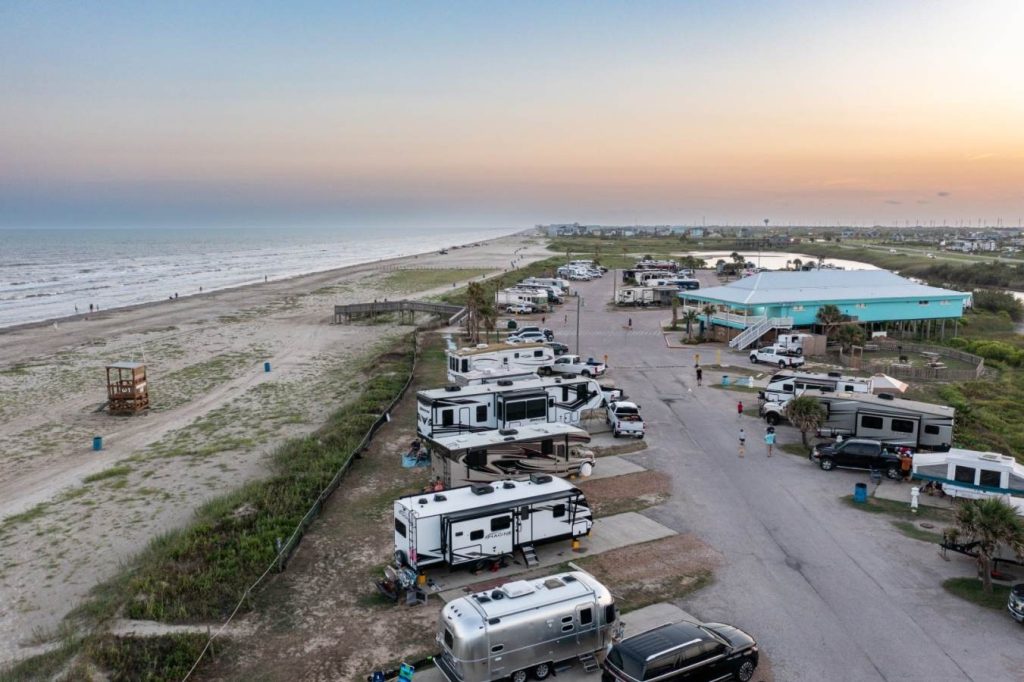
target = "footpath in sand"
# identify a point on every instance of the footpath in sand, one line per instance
(69, 517)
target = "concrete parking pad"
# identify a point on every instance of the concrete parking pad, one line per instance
(613, 465)
(608, 533)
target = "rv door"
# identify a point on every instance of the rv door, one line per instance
(479, 538)
(586, 627)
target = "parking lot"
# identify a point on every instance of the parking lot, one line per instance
(829, 591)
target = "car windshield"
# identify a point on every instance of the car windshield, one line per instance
(715, 635)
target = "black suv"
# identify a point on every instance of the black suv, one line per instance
(559, 348)
(682, 651)
(857, 453)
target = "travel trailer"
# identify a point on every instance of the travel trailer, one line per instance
(634, 296)
(482, 524)
(645, 277)
(787, 384)
(893, 421)
(562, 284)
(538, 299)
(555, 449)
(505, 405)
(554, 294)
(973, 475)
(525, 627)
(497, 357)
(493, 376)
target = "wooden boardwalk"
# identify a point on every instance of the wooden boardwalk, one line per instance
(454, 313)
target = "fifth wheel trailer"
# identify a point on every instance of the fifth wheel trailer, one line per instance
(505, 405)
(482, 523)
(894, 421)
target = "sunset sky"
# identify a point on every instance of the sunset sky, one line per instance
(510, 114)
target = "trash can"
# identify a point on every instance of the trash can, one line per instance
(97, 443)
(512, 324)
(860, 492)
(725, 379)
(266, 366)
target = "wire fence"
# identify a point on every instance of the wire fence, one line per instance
(286, 549)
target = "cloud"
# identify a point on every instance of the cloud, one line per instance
(943, 194)
(893, 202)
(979, 157)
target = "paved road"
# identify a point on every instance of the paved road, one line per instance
(831, 592)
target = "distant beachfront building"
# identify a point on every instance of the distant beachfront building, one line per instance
(972, 244)
(786, 300)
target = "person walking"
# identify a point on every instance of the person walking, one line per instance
(629, 323)
(906, 464)
(769, 440)
(700, 376)
(739, 408)
(743, 442)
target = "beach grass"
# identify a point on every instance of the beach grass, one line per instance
(541, 268)
(411, 280)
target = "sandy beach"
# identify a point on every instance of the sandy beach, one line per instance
(69, 516)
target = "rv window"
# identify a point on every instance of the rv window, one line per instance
(567, 627)
(849, 388)
(501, 523)
(547, 446)
(481, 413)
(538, 353)
(609, 614)
(400, 528)
(524, 513)
(558, 510)
(516, 355)
(990, 479)
(787, 388)
(903, 425)
(581, 392)
(931, 430)
(447, 417)
(586, 616)
(868, 422)
(449, 641)
(476, 458)
(497, 648)
(465, 365)
(515, 411)
(536, 408)
(476, 535)
(565, 394)
(964, 474)
(566, 619)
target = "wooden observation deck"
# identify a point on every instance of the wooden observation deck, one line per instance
(127, 391)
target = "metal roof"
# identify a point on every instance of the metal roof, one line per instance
(816, 286)
(482, 439)
(505, 493)
(484, 348)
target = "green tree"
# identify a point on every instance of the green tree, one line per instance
(689, 318)
(707, 311)
(477, 303)
(829, 317)
(850, 335)
(806, 414)
(990, 522)
(737, 258)
(797, 263)
(675, 311)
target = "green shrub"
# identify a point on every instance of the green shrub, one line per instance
(147, 659)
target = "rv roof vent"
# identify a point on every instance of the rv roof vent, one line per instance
(497, 594)
(439, 498)
(481, 345)
(505, 382)
(517, 588)
(886, 396)
(452, 388)
(482, 598)
(558, 381)
(508, 432)
(481, 489)
(540, 478)
(508, 438)
(553, 583)
(569, 578)
(508, 485)
(835, 374)
(422, 500)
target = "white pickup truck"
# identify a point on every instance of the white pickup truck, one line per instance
(625, 419)
(574, 364)
(774, 355)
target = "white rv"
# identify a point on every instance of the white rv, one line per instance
(972, 474)
(505, 405)
(894, 421)
(788, 384)
(538, 299)
(634, 296)
(555, 449)
(497, 358)
(645, 277)
(486, 523)
(525, 627)
(562, 284)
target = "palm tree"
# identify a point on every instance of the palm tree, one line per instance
(675, 311)
(737, 258)
(689, 317)
(990, 522)
(789, 265)
(806, 414)
(850, 335)
(707, 311)
(829, 317)
(476, 303)
(797, 263)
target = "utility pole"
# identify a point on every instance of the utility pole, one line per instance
(579, 303)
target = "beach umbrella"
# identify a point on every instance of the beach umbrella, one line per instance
(883, 383)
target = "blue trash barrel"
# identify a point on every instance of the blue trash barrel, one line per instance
(860, 492)
(266, 366)
(725, 379)
(97, 442)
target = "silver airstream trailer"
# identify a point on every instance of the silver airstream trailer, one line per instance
(525, 627)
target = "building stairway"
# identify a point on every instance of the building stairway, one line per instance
(760, 327)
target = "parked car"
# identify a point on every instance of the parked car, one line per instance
(857, 453)
(527, 337)
(559, 348)
(775, 355)
(524, 308)
(1015, 604)
(546, 333)
(625, 420)
(683, 651)
(574, 364)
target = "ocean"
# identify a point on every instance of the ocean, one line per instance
(45, 273)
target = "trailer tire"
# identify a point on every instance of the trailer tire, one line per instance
(519, 676)
(782, 364)
(893, 473)
(542, 670)
(772, 418)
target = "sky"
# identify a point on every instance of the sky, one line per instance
(510, 114)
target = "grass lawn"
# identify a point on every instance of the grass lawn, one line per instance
(970, 589)
(901, 510)
(797, 449)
